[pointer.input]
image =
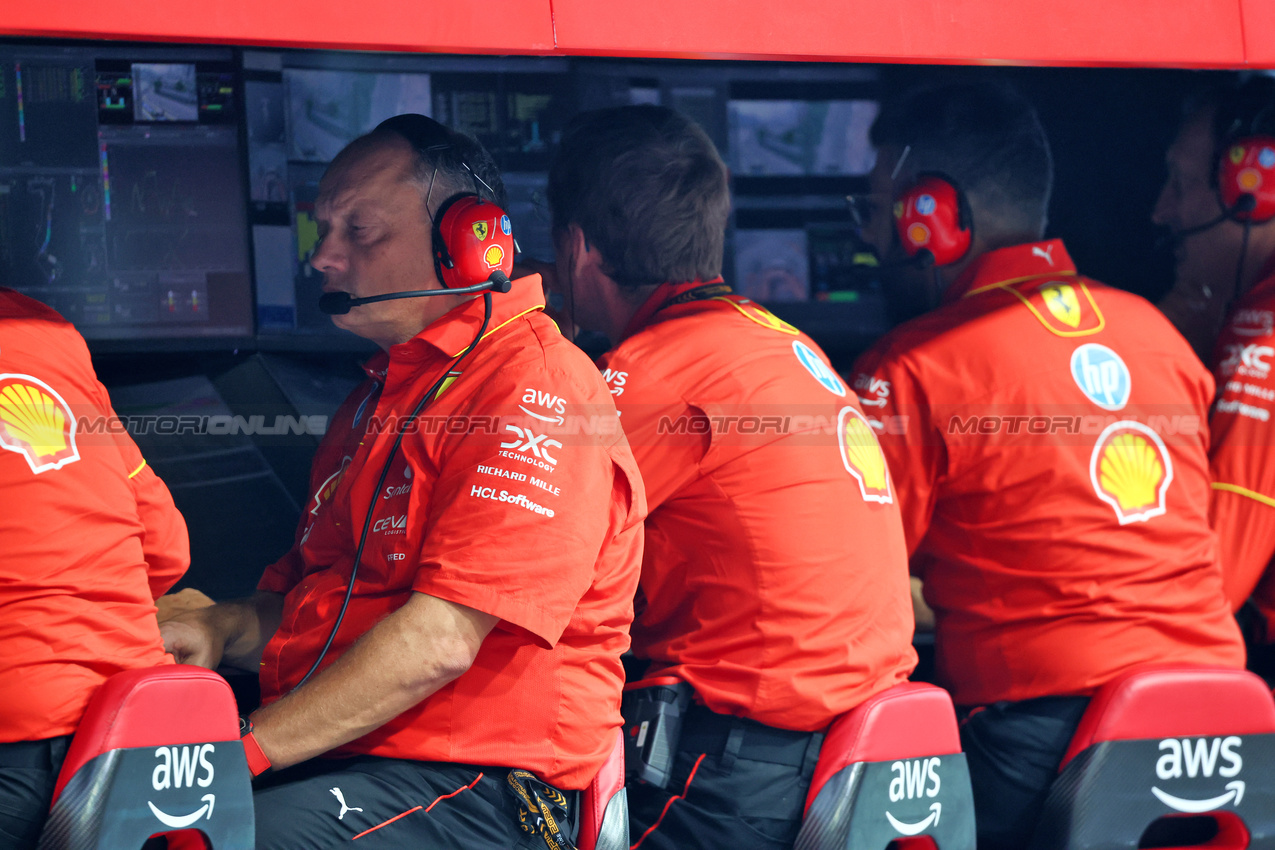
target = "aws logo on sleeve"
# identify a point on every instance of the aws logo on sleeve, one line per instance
(36, 423)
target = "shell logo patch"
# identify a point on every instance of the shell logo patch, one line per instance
(37, 423)
(481, 230)
(918, 234)
(1131, 470)
(1061, 300)
(862, 456)
(493, 256)
(1250, 179)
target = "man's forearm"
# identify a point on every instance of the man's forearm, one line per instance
(403, 659)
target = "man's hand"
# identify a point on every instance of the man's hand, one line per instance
(192, 640)
(233, 633)
(171, 604)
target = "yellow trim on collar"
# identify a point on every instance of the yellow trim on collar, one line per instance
(502, 324)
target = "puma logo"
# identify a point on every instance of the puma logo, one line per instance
(340, 798)
(1045, 254)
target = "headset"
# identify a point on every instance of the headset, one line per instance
(933, 221)
(1246, 178)
(473, 248)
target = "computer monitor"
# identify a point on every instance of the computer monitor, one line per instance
(121, 191)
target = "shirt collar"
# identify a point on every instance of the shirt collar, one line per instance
(452, 332)
(667, 294)
(1011, 265)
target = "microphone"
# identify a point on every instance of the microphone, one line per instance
(340, 303)
(1245, 203)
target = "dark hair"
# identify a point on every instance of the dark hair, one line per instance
(1241, 107)
(985, 137)
(647, 187)
(462, 163)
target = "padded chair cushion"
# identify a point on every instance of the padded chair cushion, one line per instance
(1169, 702)
(155, 706)
(909, 720)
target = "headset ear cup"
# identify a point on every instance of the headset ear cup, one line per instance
(1246, 169)
(473, 240)
(933, 216)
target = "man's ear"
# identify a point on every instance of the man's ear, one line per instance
(585, 258)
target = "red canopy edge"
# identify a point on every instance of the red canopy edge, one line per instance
(1177, 33)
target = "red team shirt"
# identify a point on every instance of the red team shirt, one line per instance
(1243, 508)
(1047, 436)
(515, 494)
(89, 536)
(774, 579)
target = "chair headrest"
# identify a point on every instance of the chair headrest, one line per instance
(1170, 702)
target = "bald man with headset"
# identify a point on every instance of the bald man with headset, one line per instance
(439, 652)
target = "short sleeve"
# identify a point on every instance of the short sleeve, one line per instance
(1242, 507)
(668, 435)
(897, 409)
(519, 514)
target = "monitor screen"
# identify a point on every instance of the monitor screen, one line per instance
(121, 190)
(801, 137)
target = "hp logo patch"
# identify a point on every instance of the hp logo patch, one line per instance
(1266, 158)
(1101, 375)
(504, 225)
(925, 205)
(822, 373)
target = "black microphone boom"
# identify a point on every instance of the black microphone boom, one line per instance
(340, 303)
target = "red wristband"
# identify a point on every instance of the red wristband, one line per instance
(257, 761)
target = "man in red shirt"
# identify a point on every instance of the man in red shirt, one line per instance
(1213, 247)
(89, 539)
(497, 549)
(1048, 437)
(774, 579)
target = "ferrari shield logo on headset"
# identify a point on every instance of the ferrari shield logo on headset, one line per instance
(480, 230)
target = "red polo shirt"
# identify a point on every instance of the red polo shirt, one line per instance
(775, 575)
(1243, 507)
(514, 492)
(1048, 437)
(89, 536)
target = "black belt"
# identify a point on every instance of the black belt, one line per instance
(39, 755)
(705, 731)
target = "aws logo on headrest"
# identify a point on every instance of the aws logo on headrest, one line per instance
(1200, 758)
